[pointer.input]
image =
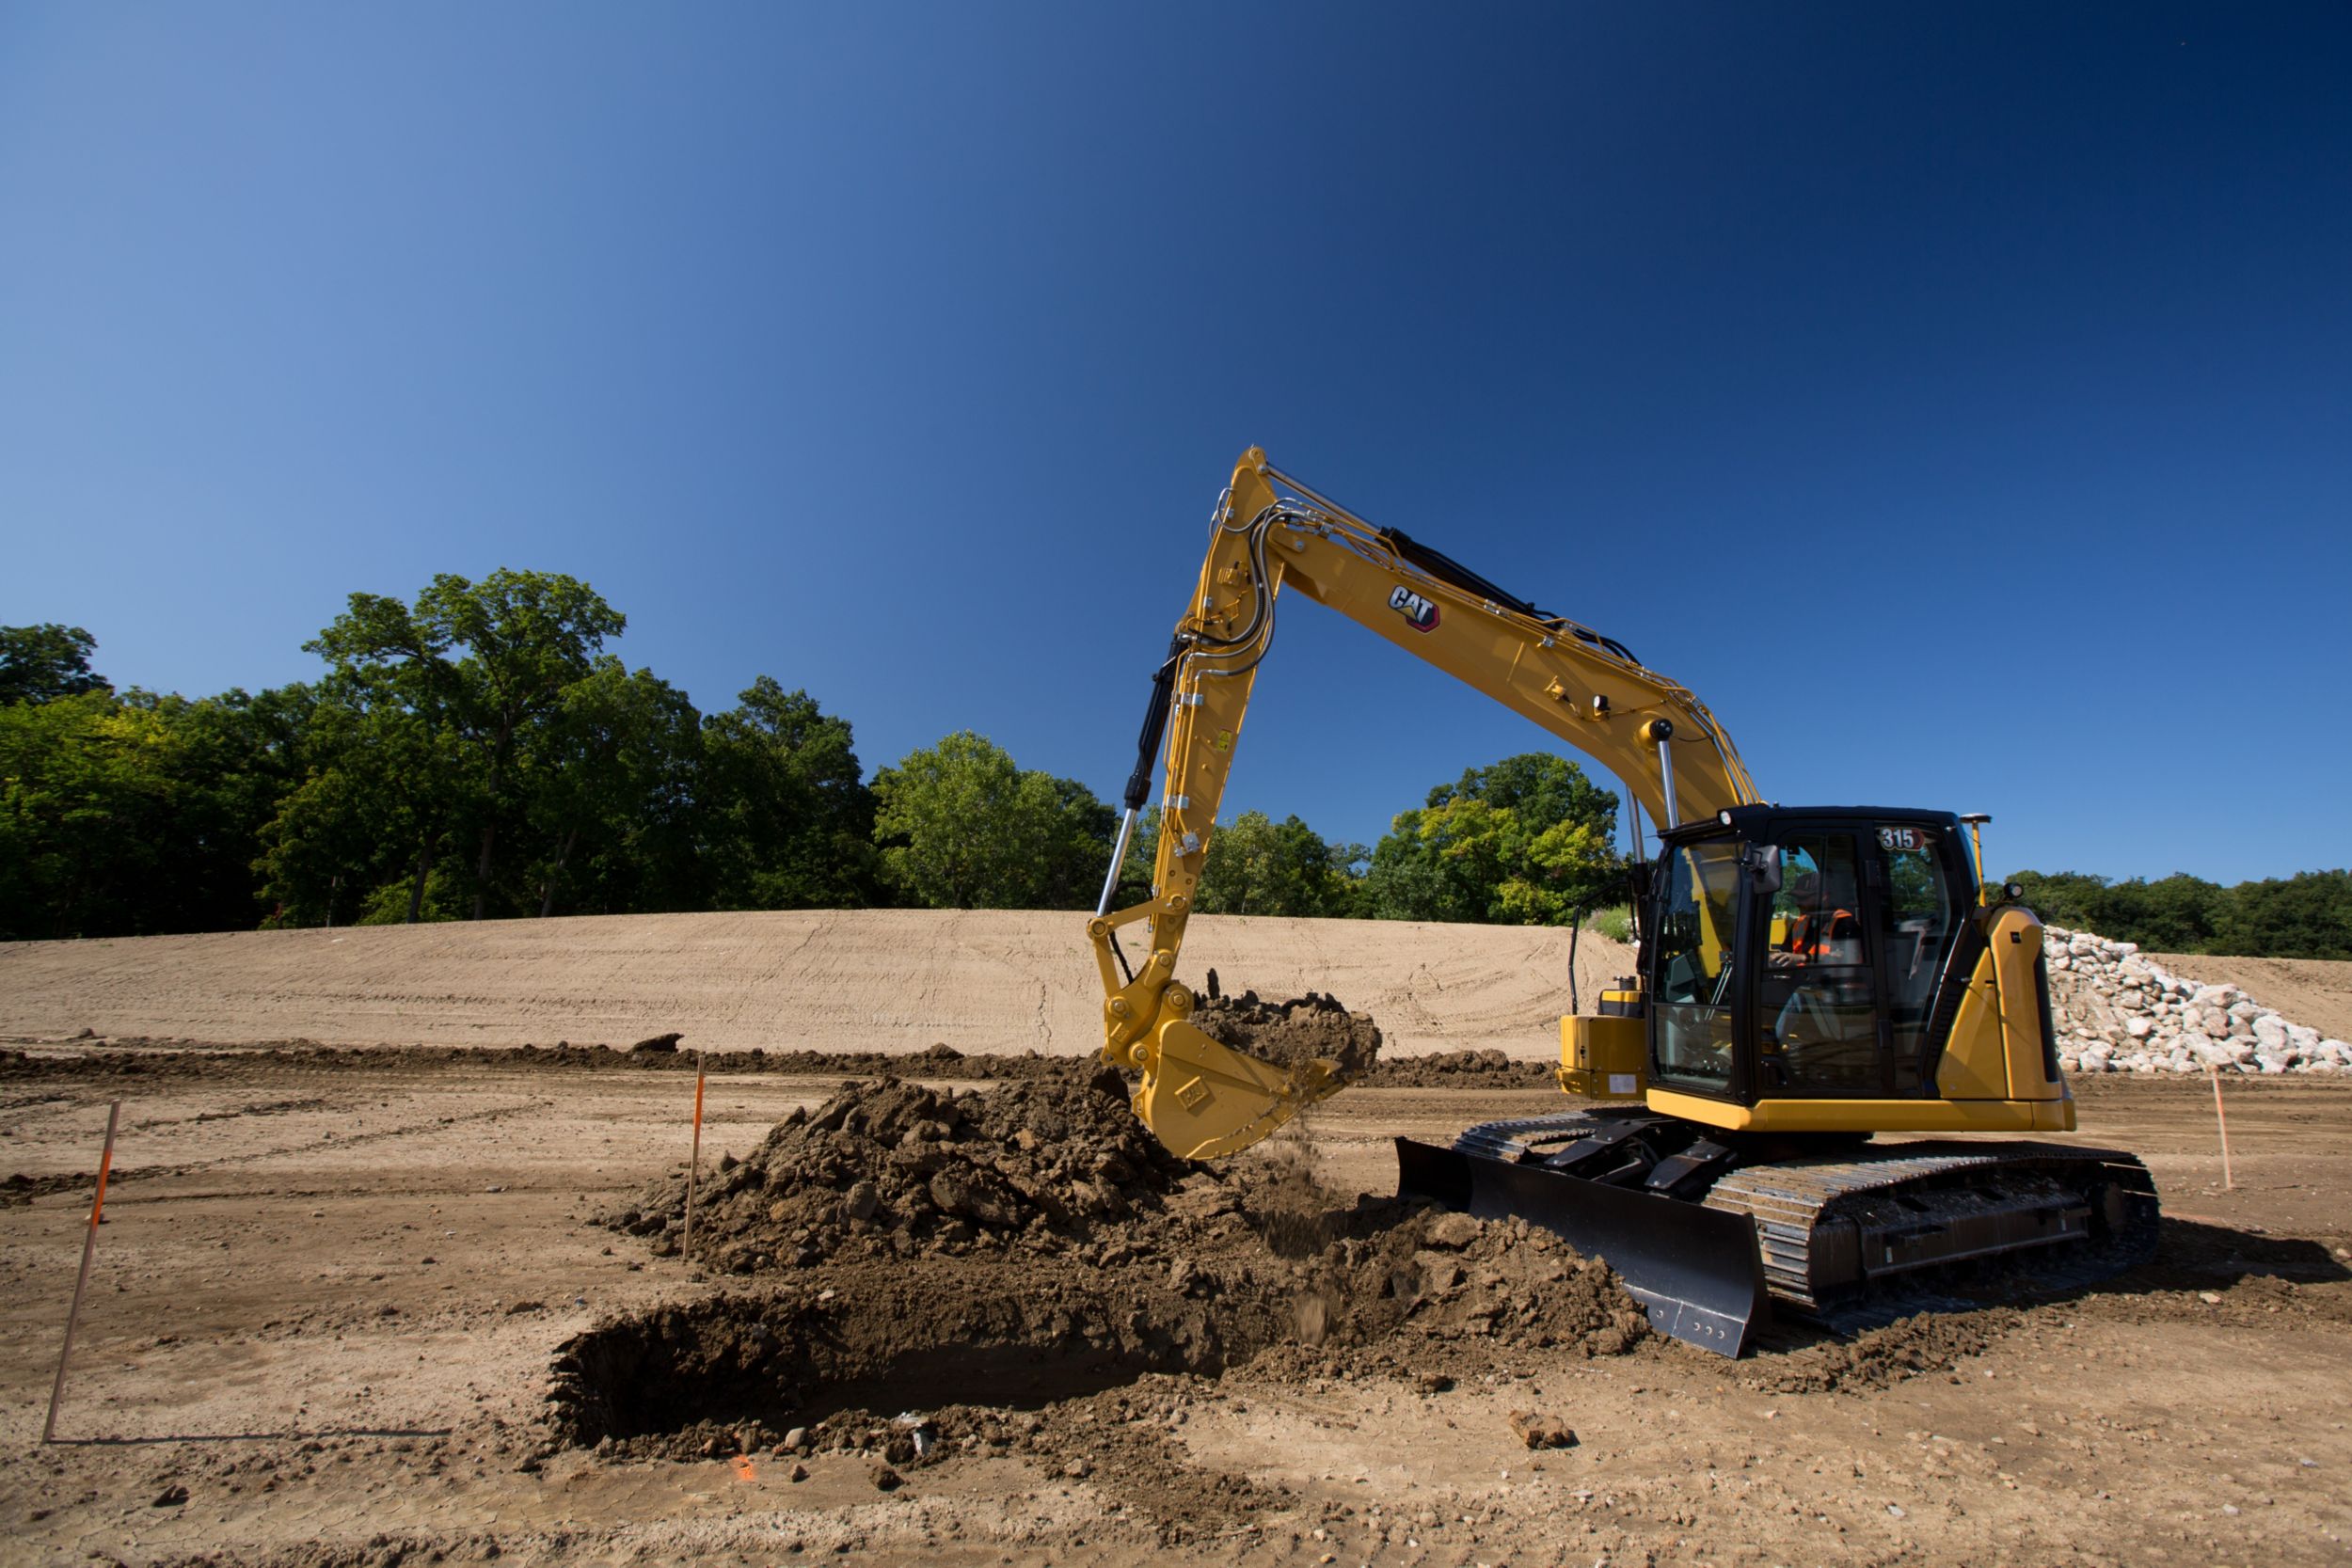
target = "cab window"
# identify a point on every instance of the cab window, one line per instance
(1919, 926)
(1696, 1006)
(1817, 1012)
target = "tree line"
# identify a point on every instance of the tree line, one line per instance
(480, 751)
(2308, 915)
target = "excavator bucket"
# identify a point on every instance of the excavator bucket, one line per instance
(1202, 1100)
(1698, 1271)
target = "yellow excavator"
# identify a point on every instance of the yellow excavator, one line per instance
(1809, 977)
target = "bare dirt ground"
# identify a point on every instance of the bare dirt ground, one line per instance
(893, 980)
(332, 1292)
(2317, 992)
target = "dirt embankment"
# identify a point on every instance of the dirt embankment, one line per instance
(2314, 992)
(888, 981)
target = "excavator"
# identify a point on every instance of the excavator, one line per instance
(1809, 979)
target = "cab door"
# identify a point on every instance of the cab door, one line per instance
(1696, 971)
(1821, 1025)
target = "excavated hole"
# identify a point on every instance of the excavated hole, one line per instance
(954, 1337)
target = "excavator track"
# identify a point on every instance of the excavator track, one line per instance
(1847, 1239)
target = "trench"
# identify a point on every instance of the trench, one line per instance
(956, 1337)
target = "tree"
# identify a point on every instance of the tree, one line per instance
(612, 792)
(963, 828)
(528, 635)
(389, 771)
(138, 813)
(40, 664)
(448, 695)
(2308, 915)
(84, 798)
(1256, 865)
(786, 819)
(1528, 841)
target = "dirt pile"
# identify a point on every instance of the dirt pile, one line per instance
(892, 1169)
(1303, 1029)
(924, 1251)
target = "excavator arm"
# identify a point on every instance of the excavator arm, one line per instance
(1270, 532)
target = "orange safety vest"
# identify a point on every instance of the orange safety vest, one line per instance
(1837, 924)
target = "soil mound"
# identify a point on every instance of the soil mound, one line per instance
(923, 1261)
(1300, 1030)
(892, 1169)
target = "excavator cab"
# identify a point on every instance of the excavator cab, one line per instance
(1796, 954)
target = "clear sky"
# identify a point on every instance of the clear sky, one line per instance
(1958, 397)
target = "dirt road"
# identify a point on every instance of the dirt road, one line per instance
(329, 1297)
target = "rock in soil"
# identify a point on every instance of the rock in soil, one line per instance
(1542, 1431)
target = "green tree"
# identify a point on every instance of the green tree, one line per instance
(2308, 915)
(787, 818)
(526, 636)
(611, 776)
(40, 664)
(450, 695)
(124, 815)
(1528, 841)
(1256, 865)
(389, 771)
(963, 828)
(83, 804)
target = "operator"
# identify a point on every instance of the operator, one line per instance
(1822, 948)
(1817, 936)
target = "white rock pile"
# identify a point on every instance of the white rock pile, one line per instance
(2117, 1011)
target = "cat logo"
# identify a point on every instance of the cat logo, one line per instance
(1416, 609)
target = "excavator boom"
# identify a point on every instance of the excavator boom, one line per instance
(1268, 533)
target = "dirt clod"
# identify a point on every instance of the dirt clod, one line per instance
(1541, 1431)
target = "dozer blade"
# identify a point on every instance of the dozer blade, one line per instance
(1203, 1101)
(1697, 1270)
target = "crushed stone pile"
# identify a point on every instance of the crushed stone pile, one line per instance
(2119, 1011)
(892, 1169)
(1303, 1029)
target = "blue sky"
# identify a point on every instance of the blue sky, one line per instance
(1959, 399)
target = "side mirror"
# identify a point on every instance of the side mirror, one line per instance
(1763, 864)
